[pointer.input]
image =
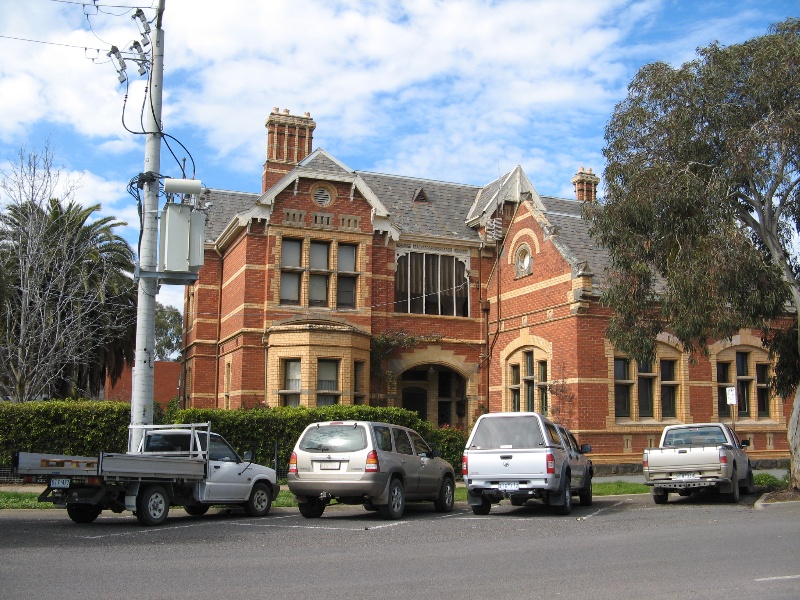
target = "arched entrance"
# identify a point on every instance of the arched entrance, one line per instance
(416, 399)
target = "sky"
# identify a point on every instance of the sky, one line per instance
(450, 90)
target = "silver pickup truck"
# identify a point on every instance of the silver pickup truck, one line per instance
(522, 456)
(180, 465)
(698, 456)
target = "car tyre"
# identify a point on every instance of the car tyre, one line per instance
(152, 505)
(733, 495)
(397, 501)
(585, 496)
(260, 500)
(196, 510)
(750, 486)
(566, 507)
(483, 508)
(660, 496)
(447, 492)
(83, 513)
(312, 509)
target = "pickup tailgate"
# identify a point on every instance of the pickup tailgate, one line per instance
(690, 459)
(504, 464)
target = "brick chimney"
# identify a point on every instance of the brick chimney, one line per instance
(289, 140)
(585, 183)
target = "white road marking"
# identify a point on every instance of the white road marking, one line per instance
(780, 578)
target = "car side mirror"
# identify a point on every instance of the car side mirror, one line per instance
(745, 443)
(435, 453)
(586, 448)
(249, 456)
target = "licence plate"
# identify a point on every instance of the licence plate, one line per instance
(687, 475)
(508, 486)
(59, 483)
(329, 466)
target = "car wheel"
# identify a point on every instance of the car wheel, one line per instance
(397, 501)
(260, 500)
(152, 505)
(750, 486)
(83, 513)
(733, 495)
(196, 510)
(566, 507)
(483, 508)
(585, 496)
(660, 496)
(447, 492)
(312, 509)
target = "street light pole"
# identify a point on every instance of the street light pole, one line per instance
(143, 377)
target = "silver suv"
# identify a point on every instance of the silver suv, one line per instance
(378, 465)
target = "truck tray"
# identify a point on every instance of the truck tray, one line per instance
(151, 466)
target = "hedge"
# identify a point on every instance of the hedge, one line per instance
(89, 427)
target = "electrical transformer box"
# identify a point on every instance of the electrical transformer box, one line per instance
(180, 248)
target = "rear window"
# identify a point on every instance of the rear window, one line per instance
(334, 438)
(695, 436)
(167, 442)
(507, 432)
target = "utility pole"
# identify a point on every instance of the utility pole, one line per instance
(143, 378)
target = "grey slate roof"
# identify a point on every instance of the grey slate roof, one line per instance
(442, 215)
(226, 205)
(572, 236)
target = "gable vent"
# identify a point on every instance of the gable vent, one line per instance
(420, 195)
(322, 197)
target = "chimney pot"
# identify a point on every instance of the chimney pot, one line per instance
(286, 111)
(276, 110)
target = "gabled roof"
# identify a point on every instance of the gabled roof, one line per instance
(562, 223)
(225, 205)
(512, 186)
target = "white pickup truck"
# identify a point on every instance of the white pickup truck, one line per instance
(522, 456)
(698, 456)
(180, 465)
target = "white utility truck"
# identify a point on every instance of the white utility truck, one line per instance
(698, 456)
(174, 465)
(522, 456)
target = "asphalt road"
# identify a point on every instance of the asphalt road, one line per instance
(620, 547)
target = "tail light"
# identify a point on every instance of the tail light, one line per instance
(551, 464)
(29, 479)
(644, 460)
(94, 480)
(293, 463)
(372, 466)
(464, 465)
(723, 456)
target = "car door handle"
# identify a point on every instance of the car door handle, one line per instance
(216, 466)
(506, 457)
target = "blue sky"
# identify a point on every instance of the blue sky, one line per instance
(457, 91)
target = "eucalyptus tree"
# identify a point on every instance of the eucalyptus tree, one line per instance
(67, 307)
(701, 213)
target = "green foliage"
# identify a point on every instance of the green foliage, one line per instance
(617, 488)
(702, 188)
(168, 331)
(22, 500)
(260, 429)
(87, 428)
(79, 427)
(770, 482)
(386, 343)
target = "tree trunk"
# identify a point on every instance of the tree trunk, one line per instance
(793, 435)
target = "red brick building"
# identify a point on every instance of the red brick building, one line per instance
(166, 381)
(500, 287)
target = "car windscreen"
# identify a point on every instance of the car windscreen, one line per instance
(334, 438)
(507, 432)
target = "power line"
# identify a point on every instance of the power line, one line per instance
(8, 37)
